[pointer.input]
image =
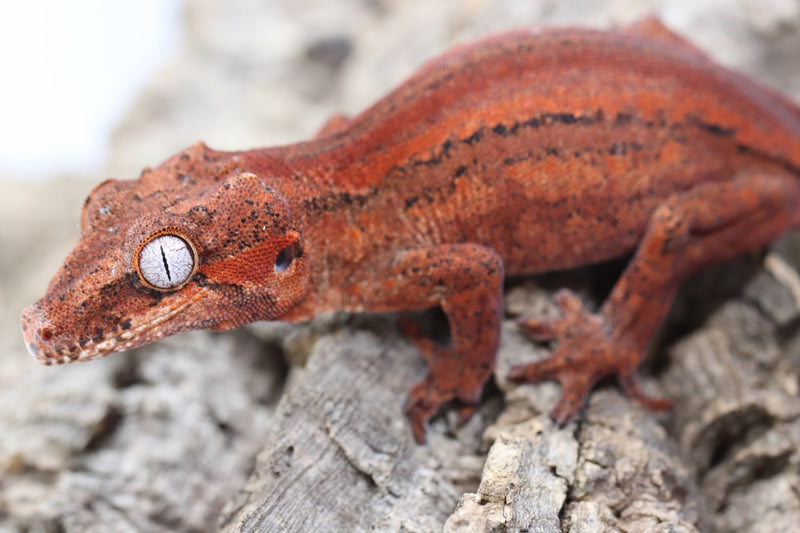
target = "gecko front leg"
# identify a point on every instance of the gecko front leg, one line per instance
(705, 225)
(466, 281)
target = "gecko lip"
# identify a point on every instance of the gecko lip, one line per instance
(49, 347)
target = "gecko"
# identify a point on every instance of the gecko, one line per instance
(524, 152)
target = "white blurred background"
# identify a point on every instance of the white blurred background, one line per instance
(69, 71)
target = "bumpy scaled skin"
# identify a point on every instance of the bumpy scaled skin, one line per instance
(525, 152)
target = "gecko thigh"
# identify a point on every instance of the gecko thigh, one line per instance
(717, 221)
(692, 230)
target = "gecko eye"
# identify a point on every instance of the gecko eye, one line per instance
(286, 256)
(166, 262)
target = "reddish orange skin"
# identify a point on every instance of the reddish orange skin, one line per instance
(522, 153)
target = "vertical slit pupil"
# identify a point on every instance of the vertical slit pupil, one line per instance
(166, 264)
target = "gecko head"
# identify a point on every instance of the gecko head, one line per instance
(197, 243)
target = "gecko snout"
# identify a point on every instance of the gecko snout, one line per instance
(40, 335)
(56, 340)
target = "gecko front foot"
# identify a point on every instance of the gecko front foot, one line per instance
(590, 348)
(444, 383)
(426, 398)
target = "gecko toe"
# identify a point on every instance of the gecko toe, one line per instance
(633, 389)
(547, 368)
(568, 302)
(544, 330)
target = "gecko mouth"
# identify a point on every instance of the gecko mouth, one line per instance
(48, 347)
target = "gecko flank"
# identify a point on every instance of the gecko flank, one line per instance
(524, 152)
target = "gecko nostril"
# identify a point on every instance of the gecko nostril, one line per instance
(47, 332)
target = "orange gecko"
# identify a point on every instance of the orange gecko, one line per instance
(521, 153)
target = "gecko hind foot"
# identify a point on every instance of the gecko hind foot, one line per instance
(588, 351)
(548, 329)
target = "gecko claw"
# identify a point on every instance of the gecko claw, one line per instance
(420, 407)
(465, 412)
(632, 388)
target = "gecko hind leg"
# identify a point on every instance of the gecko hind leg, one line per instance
(703, 226)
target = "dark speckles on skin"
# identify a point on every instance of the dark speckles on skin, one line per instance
(201, 280)
(112, 289)
(155, 296)
(446, 146)
(500, 129)
(336, 200)
(439, 81)
(474, 138)
(618, 149)
(715, 129)
(622, 119)
(201, 211)
(504, 130)
(743, 149)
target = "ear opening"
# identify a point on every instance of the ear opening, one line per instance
(291, 251)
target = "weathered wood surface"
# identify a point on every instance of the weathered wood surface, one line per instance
(734, 431)
(208, 432)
